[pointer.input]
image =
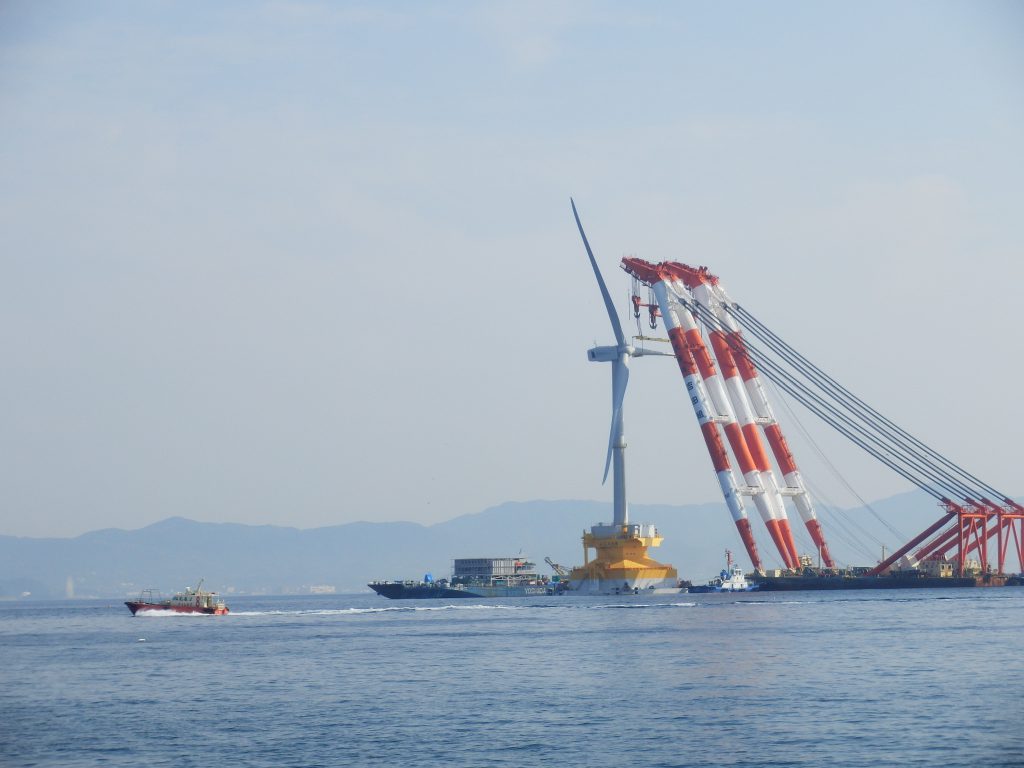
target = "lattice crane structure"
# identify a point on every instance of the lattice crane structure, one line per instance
(730, 401)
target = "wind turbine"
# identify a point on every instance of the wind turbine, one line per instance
(618, 356)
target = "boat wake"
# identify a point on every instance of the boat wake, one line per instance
(471, 607)
(388, 609)
(461, 607)
(641, 605)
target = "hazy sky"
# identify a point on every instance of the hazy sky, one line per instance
(311, 263)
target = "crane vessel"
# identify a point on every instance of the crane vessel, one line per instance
(730, 399)
(721, 350)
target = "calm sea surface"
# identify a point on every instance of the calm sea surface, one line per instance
(922, 678)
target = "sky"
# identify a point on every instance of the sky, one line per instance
(303, 263)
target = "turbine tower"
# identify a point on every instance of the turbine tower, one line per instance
(618, 356)
(621, 563)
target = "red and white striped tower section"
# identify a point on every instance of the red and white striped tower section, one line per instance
(702, 294)
(649, 274)
(735, 348)
(760, 482)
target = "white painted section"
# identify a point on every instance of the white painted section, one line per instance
(758, 399)
(906, 563)
(727, 483)
(766, 491)
(774, 495)
(802, 499)
(740, 401)
(743, 409)
(625, 586)
(699, 401)
(755, 389)
(635, 530)
(620, 505)
(761, 500)
(713, 383)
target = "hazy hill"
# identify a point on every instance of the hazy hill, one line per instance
(271, 559)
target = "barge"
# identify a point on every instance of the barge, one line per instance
(475, 577)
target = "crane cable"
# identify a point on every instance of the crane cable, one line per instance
(813, 402)
(885, 438)
(833, 468)
(886, 444)
(752, 323)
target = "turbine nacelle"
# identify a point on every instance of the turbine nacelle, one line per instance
(609, 354)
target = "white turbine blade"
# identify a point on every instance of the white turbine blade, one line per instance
(616, 327)
(620, 378)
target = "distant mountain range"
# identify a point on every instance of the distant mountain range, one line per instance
(249, 559)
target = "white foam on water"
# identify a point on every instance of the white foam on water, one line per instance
(389, 609)
(471, 607)
(645, 605)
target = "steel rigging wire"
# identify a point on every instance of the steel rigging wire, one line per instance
(757, 328)
(843, 529)
(807, 397)
(886, 440)
(833, 468)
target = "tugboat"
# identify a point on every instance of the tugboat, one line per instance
(729, 580)
(192, 600)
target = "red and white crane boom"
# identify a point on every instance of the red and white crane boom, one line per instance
(686, 295)
(691, 355)
(731, 352)
(726, 390)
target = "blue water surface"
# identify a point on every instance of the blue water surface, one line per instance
(903, 678)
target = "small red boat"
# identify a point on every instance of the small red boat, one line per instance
(190, 601)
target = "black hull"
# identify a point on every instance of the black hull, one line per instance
(418, 592)
(396, 590)
(819, 583)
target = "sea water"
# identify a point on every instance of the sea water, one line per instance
(902, 678)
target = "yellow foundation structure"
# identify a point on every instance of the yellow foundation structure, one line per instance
(621, 563)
